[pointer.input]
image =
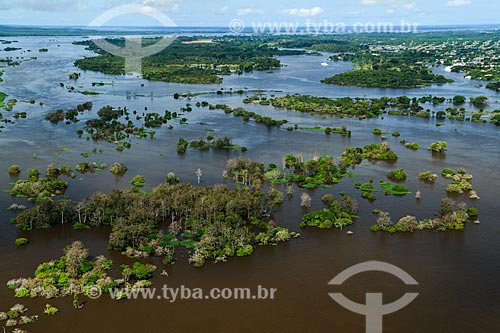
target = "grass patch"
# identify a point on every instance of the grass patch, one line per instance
(89, 93)
(3, 96)
(392, 189)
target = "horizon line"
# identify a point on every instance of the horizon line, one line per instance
(211, 26)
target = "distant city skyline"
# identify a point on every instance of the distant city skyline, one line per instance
(220, 12)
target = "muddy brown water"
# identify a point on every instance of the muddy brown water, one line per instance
(458, 272)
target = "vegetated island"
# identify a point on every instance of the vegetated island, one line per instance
(452, 216)
(196, 63)
(363, 108)
(399, 70)
(214, 222)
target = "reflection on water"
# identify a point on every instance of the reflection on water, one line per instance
(458, 272)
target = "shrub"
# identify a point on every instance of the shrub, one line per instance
(142, 271)
(246, 250)
(399, 188)
(53, 171)
(118, 169)
(381, 151)
(182, 146)
(412, 145)
(368, 195)
(34, 174)
(138, 181)
(397, 175)
(448, 173)
(441, 115)
(377, 131)
(86, 167)
(409, 222)
(391, 189)
(172, 179)
(21, 241)
(22, 293)
(327, 198)
(13, 314)
(14, 170)
(472, 211)
(427, 176)
(454, 188)
(81, 226)
(50, 310)
(439, 146)
(459, 99)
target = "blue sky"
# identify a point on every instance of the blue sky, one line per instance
(221, 12)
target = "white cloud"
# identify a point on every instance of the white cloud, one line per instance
(394, 4)
(249, 11)
(223, 10)
(357, 12)
(304, 11)
(458, 3)
(162, 4)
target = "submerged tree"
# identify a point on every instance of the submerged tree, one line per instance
(305, 200)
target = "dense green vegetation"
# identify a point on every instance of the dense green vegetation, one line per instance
(367, 190)
(399, 78)
(73, 274)
(215, 222)
(14, 170)
(452, 216)
(461, 182)
(493, 86)
(428, 176)
(438, 147)
(374, 152)
(394, 189)
(37, 189)
(108, 126)
(203, 144)
(21, 241)
(2, 95)
(70, 116)
(339, 214)
(412, 145)
(337, 44)
(373, 107)
(185, 62)
(386, 56)
(397, 175)
(246, 115)
(118, 169)
(400, 70)
(369, 108)
(318, 171)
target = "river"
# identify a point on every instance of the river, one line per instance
(458, 272)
